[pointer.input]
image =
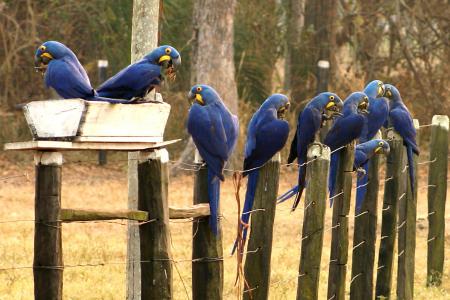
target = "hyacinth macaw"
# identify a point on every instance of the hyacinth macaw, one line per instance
(323, 106)
(267, 134)
(214, 131)
(376, 118)
(401, 120)
(345, 129)
(139, 78)
(364, 152)
(64, 73)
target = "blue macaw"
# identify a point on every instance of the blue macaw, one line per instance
(345, 129)
(267, 134)
(401, 120)
(214, 131)
(376, 118)
(64, 73)
(309, 122)
(139, 78)
(364, 152)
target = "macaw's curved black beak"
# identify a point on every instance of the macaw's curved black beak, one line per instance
(281, 112)
(171, 67)
(364, 106)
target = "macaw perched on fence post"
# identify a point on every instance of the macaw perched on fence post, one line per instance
(139, 78)
(64, 73)
(214, 131)
(321, 108)
(376, 118)
(345, 129)
(267, 134)
(363, 153)
(401, 120)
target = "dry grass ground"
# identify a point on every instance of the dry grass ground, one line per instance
(88, 186)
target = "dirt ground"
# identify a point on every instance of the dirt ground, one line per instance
(88, 186)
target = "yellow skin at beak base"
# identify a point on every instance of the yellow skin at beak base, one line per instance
(199, 99)
(164, 58)
(330, 104)
(46, 54)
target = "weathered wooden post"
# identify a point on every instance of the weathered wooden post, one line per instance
(102, 65)
(437, 193)
(393, 193)
(339, 239)
(156, 259)
(313, 222)
(144, 38)
(257, 264)
(407, 214)
(48, 261)
(207, 252)
(364, 237)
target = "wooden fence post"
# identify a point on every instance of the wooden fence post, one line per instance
(156, 258)
(48, 261)
(394, 188)
(313, 222)
(144, 37)
(207, 252)
(257, 264)
(364, 237)
(339, 239)
(437, 193)
(407, 214)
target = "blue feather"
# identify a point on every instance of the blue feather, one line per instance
(213, 195)
(409, 153)
(248, 204)
(334, 162)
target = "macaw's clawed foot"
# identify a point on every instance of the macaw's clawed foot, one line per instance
(361, 172)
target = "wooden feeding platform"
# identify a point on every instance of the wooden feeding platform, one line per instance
(78, 125)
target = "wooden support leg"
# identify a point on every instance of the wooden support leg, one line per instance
(207, 252)
(313, 223)
(339, 238)
(48, 261)
(257, 264)
(156, 258)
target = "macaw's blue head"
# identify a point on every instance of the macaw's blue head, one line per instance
(375, 89)
(375, 146)
(279, 102)
(357, 102)
(392, 93)
(203, 94)
(329, 103)
(167, 57)
(48, 51)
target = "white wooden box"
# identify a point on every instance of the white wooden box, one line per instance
(86, 121)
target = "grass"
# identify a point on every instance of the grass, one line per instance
(89, 186)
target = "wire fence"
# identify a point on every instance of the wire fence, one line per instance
(195, 167)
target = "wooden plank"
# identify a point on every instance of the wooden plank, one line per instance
(103, 119)
(207, 252)
(156, 258)
(339, 238)
(59, 145)
(118, 139)
(437, 193)
(74, 215)
(313, 222)
(406, 249)
(54, 118)
(364, 237)
(257, 264)
(193, 211)
(48, 260)
(394, 189)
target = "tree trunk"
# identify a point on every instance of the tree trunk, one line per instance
(212, 59)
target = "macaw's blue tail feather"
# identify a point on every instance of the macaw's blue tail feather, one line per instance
(409, 153)
(361, 187)
(213, 195)
(248, 205)
(289, 194)
(333, 172)
(301, 185)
